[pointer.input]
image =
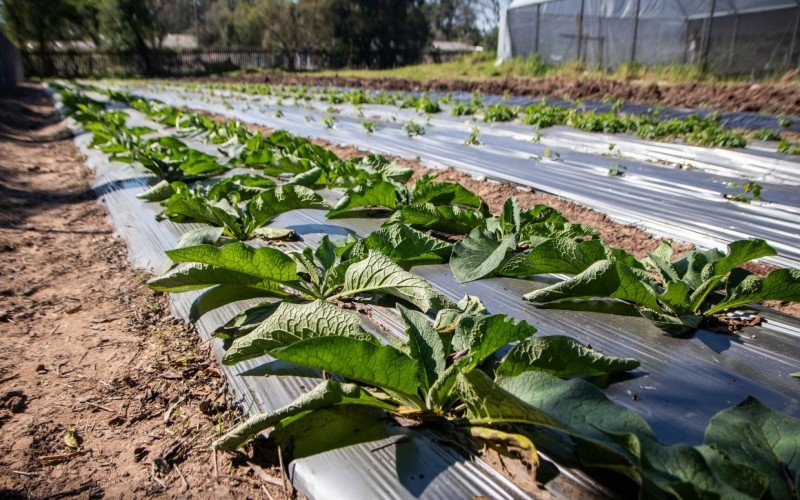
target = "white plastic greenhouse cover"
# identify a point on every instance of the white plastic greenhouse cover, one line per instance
(668, 31)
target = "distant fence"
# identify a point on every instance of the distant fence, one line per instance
(187, 62)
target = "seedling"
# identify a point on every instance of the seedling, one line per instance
(412, 128)
(746, 191)
(474, 138)
(369, 125)
(617, 170)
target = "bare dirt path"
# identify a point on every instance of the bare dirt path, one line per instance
(101, 392)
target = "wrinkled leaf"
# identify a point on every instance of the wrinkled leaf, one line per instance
(562, 357)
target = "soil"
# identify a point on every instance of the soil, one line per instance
(759, 98)
(630, 238)
(101, 392)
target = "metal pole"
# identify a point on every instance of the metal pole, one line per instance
(733, 38)
(635, 31)
(196, 24)
(793, 44)
(538, 17)
(580, 31)
(707, 36)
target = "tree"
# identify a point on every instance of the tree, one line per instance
(454, 19)
(380, 33)
(42, 22)
(130, 25)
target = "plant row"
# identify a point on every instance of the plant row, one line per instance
(694, 129)
(454, 372)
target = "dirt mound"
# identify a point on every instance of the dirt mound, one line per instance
(760, 98)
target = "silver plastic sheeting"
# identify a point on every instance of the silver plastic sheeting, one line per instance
(684, 204)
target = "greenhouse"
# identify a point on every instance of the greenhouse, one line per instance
(728, 36)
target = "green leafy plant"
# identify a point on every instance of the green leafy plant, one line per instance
(412, 128)
(382, 196)
(746, 191)
(551, 154)
(240, 221)
(369, 125)
(461, 108)
(474, 138)
(442, 377)
(329, 122)
(236, 271)
(499, 113)
(767, 134)
(617, 170)
(679, 294)
(525, 243)
(788, 147)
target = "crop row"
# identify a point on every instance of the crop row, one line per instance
(694, 129)
(448, 374)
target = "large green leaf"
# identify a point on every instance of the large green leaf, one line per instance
(425, 346)
(278, 200)
(290, 322)
(483, 335)
(754, 435)
(443, 218)
(683, 471)
(405, 246)
(202, 236)
(198, 276)
(780, 284)
(159, 191)
(381, 366)
(265, 263)
(562, 357)
(247, 185)
(740, 252)
(536, 231)
(603, 279)
(187, 207)
(381, 195)
(488, 404)
(327, 393)
(559, 255)
(222, 295)
(445, 193)
(578, 407)
(377, 274)
(479, 255)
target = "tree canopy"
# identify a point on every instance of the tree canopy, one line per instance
(374, 33)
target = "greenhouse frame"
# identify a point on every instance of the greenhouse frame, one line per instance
(725, 36)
